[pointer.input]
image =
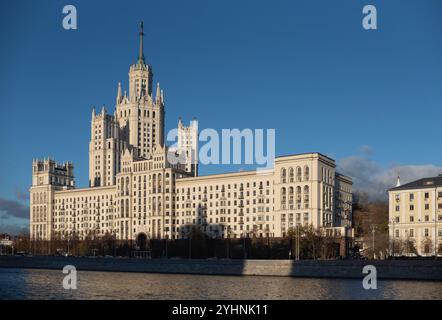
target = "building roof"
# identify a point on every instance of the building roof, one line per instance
(423, 183)
(304, 154)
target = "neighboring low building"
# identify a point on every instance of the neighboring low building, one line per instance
(415, 217)
(6, 244)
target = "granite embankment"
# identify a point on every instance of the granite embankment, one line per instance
(386, 269)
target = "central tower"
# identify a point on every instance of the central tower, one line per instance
(140, 74)
(137, 124)
(140, 115)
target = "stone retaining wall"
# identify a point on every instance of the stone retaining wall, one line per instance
(386, 269)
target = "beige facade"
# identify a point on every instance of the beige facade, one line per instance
(415, 216)
(135, 190)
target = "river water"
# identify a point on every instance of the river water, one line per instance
(47, 284)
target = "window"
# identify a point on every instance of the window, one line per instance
(397, 233)
(427, 206)
(427, 195)
(283, 175)
(397, 208)
(306, 197)
(411, 196)
(291, 175)
(396, 219)
(305, 217)
(427, 218)
(411, 207)
(291, 191)
(298, 174)
(411, 219)
(411, 233)
(283, 198)
(306, 173)
(426, 232)
(298, 197)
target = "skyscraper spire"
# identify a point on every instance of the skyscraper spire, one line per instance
(141, 53)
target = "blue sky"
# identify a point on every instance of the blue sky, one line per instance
(306, 68)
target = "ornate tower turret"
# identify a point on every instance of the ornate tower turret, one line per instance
(119, 94)
(140, 74)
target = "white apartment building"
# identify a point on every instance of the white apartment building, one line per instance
(135, 192)
(415, 216)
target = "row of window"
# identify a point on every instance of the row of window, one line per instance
(412, 207)
(411, 196)
(291, 174)
(411, 233)
(426, 218)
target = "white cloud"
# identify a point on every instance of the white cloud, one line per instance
(370, 177)
(14, 229)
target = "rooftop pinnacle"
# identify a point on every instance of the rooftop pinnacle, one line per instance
(141, 54)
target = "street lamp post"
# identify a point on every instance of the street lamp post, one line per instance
(244, 245)
(373, 231)
(298, 231)
(393, 236)
(114, 241)
(68, 242)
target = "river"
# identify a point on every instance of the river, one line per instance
(47, 284)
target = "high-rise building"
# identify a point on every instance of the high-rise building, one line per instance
(136, 191)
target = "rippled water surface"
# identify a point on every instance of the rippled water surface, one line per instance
(47, 284)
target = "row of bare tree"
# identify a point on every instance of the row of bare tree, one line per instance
(308, 241)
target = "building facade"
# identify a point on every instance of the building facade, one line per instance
(415, 217)
(136, 191)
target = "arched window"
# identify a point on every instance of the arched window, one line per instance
(291, 198)
(306, 197)
(127, 186)
(291, 175)
(127, 208)
(283, 198)
(298, 174)
(154, 182)
(122, 207)
(330, 198)
(306, 173)
(298, 197)
(159, 205)
(325, 196)
(283, 175)
(154, 205)
(159, 182)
